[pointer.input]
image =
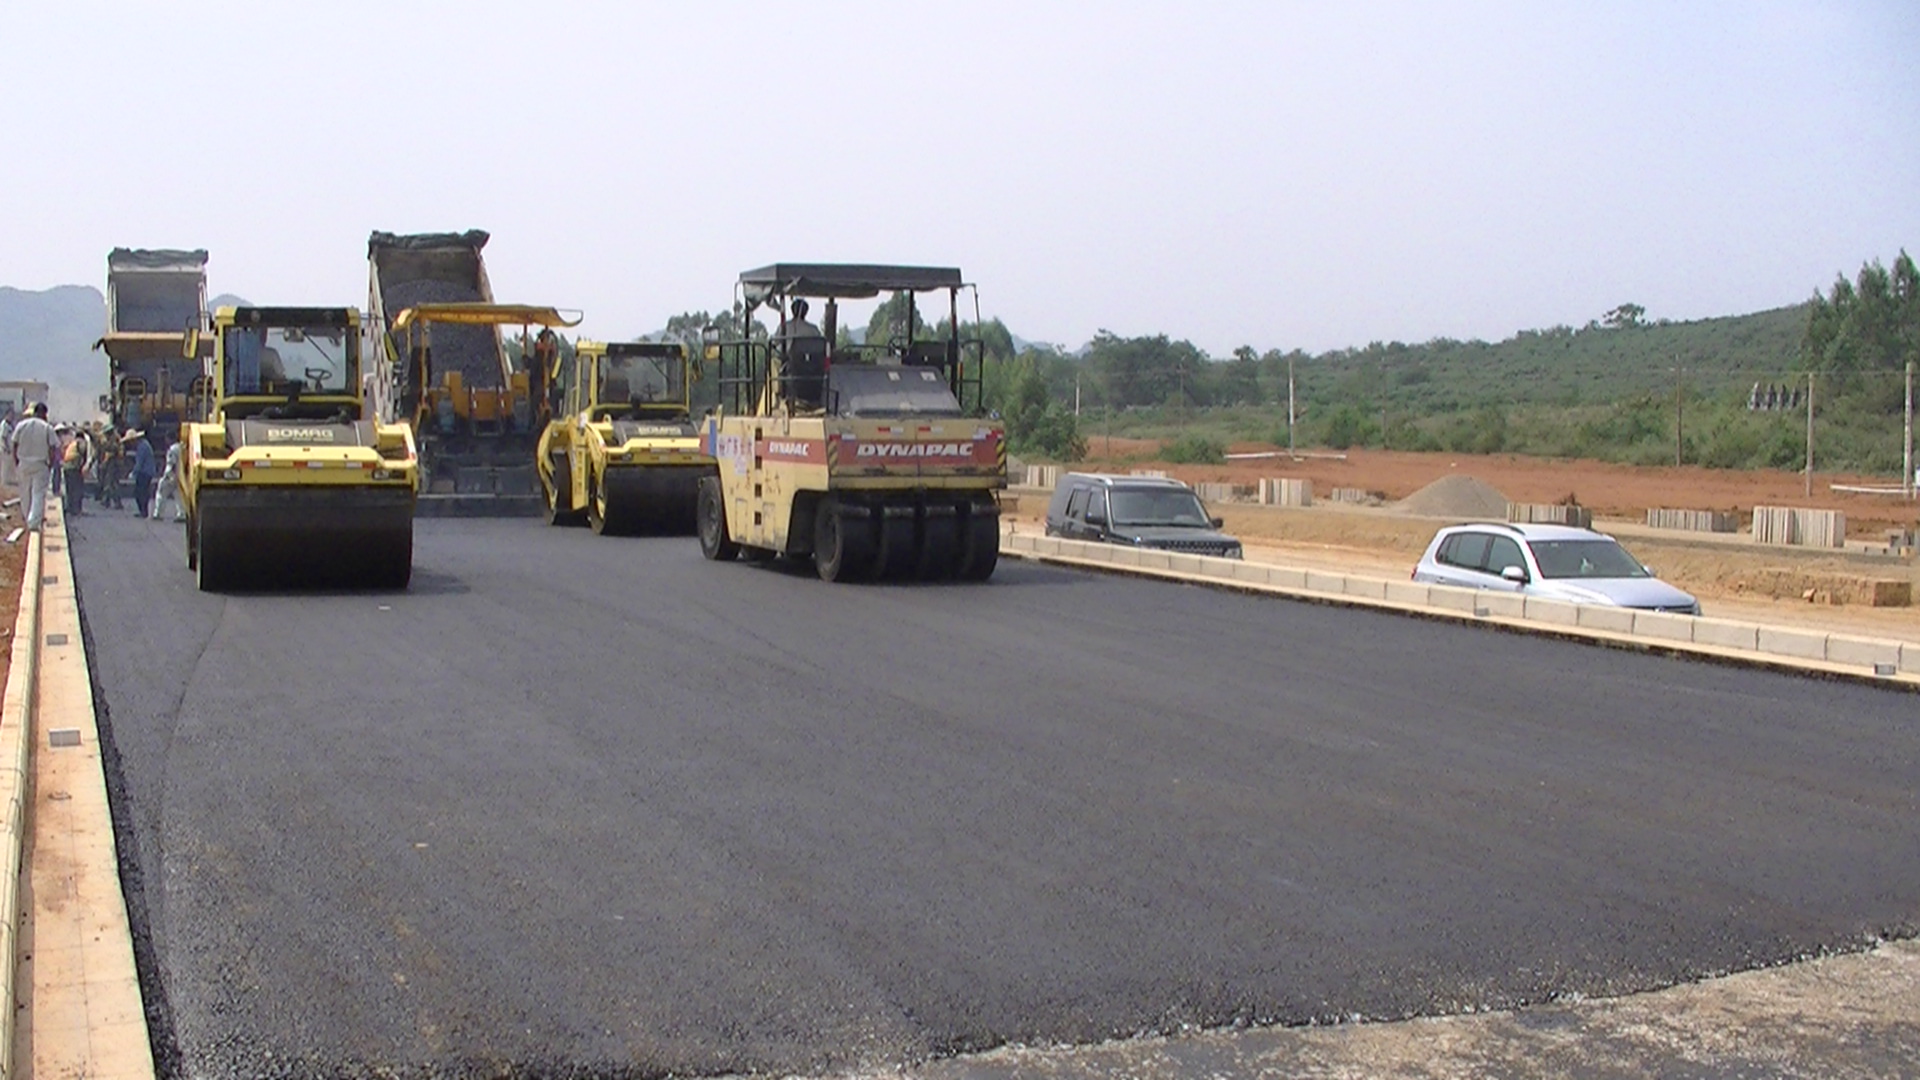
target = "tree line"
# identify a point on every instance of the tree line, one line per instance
(1608, 389)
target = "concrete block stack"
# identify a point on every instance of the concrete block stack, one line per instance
(1285, 491)
(1157, 473)
(1043, 476)
(1216, 492)
(1713, 521)
(1799, 527)
(1579, 517)
(1350, 495)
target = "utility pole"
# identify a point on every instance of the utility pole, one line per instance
(1290, 450)
(1679, 420)
(1809, 434)
(1906, 459)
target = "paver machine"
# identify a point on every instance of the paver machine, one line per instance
(155, 299)
(476, 409)
(477, 445)
(875, 459)
(621, 452)
(292, 481)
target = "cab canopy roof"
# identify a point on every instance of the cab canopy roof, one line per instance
(854, 281)
(484, 314)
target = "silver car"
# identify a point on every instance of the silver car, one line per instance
(1550, 561)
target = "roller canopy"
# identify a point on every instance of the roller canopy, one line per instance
(846, 280)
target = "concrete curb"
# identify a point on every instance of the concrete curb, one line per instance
(16, 742)
(1876, 661)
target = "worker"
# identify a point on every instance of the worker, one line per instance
(75, 457)
(109, 465)
(6, 439)
(169, 485)
(33, 453)
(142, 455)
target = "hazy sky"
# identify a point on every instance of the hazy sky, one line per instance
(1276, 174)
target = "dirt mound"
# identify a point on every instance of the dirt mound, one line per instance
(1456, 497)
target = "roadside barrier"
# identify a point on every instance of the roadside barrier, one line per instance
(1875, 659)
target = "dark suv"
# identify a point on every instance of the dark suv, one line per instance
(1139, 511)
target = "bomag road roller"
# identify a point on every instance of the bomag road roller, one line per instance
(622, 452)
(290, 482)
(873, 459)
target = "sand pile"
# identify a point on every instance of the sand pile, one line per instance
(1456, 496)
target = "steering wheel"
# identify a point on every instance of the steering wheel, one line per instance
(316, 377)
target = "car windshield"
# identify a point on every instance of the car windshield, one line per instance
(887, 390)
(277, 359)
(642, 380)
(1585, 559)
(1163, 506)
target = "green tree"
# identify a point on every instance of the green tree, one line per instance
(1869, 324)
(1624, 316)
(1036, 422)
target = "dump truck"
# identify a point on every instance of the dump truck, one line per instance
(475, 410)
(292, 481)
(621, 453)
(874, 460)
(156, 298)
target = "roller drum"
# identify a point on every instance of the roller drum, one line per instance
(304, 537)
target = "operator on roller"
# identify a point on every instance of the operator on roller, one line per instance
(796, 325)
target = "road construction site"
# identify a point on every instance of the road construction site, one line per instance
(571, 806)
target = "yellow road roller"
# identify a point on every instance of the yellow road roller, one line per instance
(622, 453)
(291, 482)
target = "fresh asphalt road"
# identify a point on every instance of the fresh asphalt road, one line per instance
(591, 806)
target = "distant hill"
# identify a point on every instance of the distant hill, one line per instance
(48, 335)
(1563, 365)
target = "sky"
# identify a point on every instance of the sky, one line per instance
(1274, 174)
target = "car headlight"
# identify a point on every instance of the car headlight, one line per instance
(1235, 552)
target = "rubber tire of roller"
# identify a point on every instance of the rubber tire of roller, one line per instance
(899, 555)
(836, 554)
(980, 548)
(939, 547)
(715, 544)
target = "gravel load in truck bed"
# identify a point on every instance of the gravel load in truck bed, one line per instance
(474, 351)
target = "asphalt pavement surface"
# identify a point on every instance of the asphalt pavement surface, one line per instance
(585, 806)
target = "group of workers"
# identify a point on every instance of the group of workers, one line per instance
(50, 460)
